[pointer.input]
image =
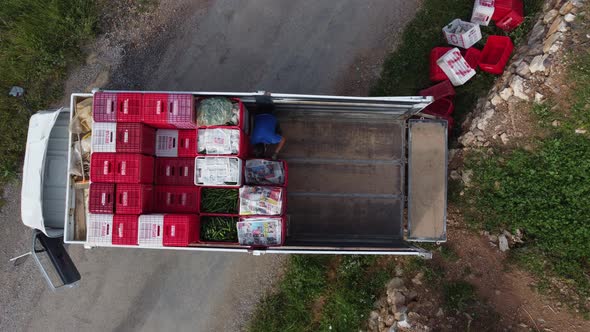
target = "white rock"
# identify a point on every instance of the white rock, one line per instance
(550, 16)
(396, 298)
(466, 176)
(566, 8)
(482, 123)
(455, 175)
(374, 315)
(440, 312)
(506, 93)
(389, 320)
(404, 324)
(523, 69)
(551, 41)
(467, 139)
(517, 85)
(555, 123)
(497, 100)
(504, 138)
(503, 243)
(580, 131)
(538, 63)
(558, 25)
(539, 97)
(569, 17)
(555, 47)
(536, 34)
(393, 328)
(578, 3)
(398, 271)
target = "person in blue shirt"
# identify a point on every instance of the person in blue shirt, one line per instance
(266, 131)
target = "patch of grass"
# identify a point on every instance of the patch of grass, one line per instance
(546, 193)
(40, 39)
(458, 295)
(290, 307)
(405, 71)
(345, 295)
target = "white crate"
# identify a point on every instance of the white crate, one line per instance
(150, 230)
(100, 230)
(166, 143)
(104, 137)
(220, 141)
(461, 33)
(482, 12)
(456, 67)
(218, 171)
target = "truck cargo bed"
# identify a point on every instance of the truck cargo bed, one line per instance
(345, 178)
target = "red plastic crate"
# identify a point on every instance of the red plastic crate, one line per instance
(436, 73)
(176, 199)
(440, 90)
(283, 229)
(136, 138)
(187, 143)
(181, 111)
(175, 171)
(134, 168)
(504, 7)
(180, 230)
(104, 107)
(243, 144)
(242, 116)
(102, 167)
(495, 54)
(442, 107)
(203, 218)
(155, 110)
(472, 56)
(101, 198)
(511, 20)
(125, 229)
(134, 198)
(129, 107)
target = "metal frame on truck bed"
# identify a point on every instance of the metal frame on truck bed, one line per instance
(355, 164)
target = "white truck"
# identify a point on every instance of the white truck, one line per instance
(367, 175)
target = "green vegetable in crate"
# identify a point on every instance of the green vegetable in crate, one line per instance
(219, 229)
(215, 200)
(217, 111)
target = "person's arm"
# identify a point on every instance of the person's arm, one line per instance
(278, 148)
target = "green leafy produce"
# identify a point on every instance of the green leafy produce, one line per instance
(215, 200)
(219, 229)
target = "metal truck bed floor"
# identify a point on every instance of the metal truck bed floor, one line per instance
(345, 178)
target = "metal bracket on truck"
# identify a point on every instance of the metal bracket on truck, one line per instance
(355, 165)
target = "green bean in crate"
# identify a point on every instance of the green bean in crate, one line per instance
(218, 200)
(219, 229)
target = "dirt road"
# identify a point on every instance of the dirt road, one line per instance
(281, 46)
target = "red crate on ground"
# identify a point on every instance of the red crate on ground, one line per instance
(442, 107)
(125, 229)
(134, 198)
(101, 198)
(136, 138)
(187, 143)
(104, 107)
(472, 56)
(102, 167)
(495, 54)
(511, 20)
(155, 110)
(180, 230)
(176, 199)
(504, 7)
(129, 107)
(440, 90)
(436, 73)
(181, 111)
(175, 171)
(134, 168)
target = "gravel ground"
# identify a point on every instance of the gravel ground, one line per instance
(281, 46)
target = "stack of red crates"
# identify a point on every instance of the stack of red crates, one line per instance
(122, 179)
